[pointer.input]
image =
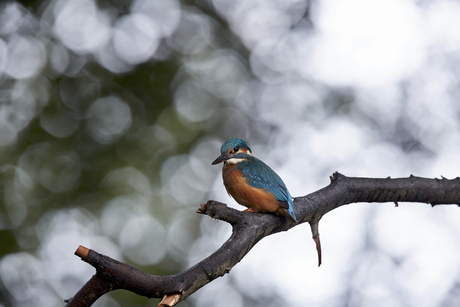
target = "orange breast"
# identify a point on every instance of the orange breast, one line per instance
(257, 199)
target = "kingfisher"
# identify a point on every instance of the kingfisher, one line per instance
(251, 182)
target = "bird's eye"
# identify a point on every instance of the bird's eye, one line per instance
(236, 149)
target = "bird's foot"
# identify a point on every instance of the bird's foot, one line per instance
(250, 210)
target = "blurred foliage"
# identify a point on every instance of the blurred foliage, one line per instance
(83, 135)
(8, 242)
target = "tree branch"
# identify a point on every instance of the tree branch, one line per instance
(250, 228)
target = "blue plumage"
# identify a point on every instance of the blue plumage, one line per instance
(237, 156)
(233, 143)
(260, 175)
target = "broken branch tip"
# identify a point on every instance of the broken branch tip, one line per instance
(82, 252)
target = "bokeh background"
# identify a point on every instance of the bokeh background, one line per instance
(111, 112)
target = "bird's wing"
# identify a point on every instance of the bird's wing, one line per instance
(260, 175)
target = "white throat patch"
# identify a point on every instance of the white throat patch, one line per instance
(235, 161)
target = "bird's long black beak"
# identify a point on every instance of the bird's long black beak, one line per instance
(221, 158)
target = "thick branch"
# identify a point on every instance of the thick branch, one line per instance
(346, 190)
(250, 228)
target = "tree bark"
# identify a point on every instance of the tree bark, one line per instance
(249, 228)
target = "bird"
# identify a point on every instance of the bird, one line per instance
(251, 182)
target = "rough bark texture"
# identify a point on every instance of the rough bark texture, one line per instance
(250, 228)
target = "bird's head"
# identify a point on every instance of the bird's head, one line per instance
(233, 151)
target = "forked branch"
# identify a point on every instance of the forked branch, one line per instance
(250, 228)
